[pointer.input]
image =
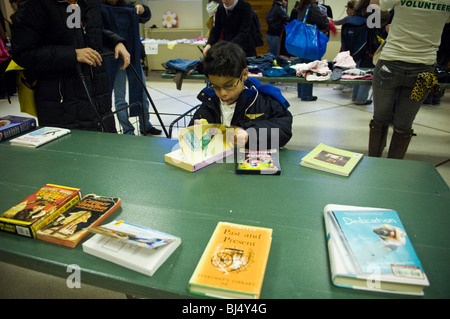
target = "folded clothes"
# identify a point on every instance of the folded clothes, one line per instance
(357, 77)
(344, 60)
(317, 77)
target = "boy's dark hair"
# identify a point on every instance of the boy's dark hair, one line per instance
(225, 59)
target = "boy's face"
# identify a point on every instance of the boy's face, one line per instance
(228, 88)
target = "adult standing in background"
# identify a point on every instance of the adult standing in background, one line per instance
(234, 23)
(119, 22)
(318, 18)
(57, 53)
(405, 71)
(276, 19)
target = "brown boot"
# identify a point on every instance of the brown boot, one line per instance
(399, 143)
(377, 138)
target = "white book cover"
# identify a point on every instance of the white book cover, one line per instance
(40, 136)
(140, 258)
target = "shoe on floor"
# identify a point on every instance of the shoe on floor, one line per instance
(152, 131)
(365, 103)
(310, 99)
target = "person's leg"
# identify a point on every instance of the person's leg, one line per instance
(361, 96)
(120, 102)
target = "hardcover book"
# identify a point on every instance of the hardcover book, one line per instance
(233, 263)
(369, 249)
(40, 136)
(14, 125)
(332, 160)
(39, 209)
(135, 247)
(200, 146)
(257, 161)
(69, 228)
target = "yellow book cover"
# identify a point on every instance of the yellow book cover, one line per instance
(233, 263)
(332, 160)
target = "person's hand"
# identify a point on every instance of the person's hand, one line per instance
(89, 56)
(237, 136)
(139, 9)
(206, 49)
(123, 52)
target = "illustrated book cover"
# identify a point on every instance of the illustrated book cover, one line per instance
(69, 228)
(39, 209)
(135, 247)
(332, 160)
(257, 161)
(200, 146)
(233, 263)
(40, 136)
(14, 125)
(369, 249)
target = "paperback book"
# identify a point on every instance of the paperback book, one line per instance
(135, 247)
(369, 249)
(233, 263)
(40, 136)
(39, 209)
(332, 160)
(69, 228)
(14, 125)
(257, 161)
(200, 146)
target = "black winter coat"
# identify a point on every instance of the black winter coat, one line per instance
(44, 45)
(253, 110)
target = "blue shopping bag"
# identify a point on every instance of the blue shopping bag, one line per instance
(305, 40)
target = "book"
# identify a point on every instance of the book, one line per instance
(233, 263)
(200, 146)
(14, 125)
(40, 136)
(257, 161)
(69, 228)
(332, 160)
(144, 254)
(369, 249)
(39, 209)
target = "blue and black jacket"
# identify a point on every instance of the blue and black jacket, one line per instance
(258, 106)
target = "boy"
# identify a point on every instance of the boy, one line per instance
(231, 98)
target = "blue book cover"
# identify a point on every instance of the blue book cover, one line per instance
(377, 241)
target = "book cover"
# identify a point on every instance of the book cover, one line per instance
(200, 146)
(136, 255)
(39, 209)
(69, 228)
(332, 160)
(40, 136)
(233, 263)
(257, 161)
(14, 125)
(369, 249)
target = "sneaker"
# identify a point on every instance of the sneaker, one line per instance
(347, 90)
(152, 131)
(338, 87)
(364, 103)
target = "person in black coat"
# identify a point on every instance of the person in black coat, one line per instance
(276, 19)
(234, 23)
(58, 46)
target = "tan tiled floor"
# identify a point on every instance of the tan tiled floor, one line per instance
(333, 119)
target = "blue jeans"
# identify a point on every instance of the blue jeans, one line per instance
(274, 44)
(360, 93)
(392, 84)
(305, 91)
(120, 102)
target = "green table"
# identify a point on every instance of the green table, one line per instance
(164, 197)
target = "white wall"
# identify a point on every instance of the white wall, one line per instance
(189, 12)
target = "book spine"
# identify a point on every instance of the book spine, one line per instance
(16, 229)
(64, 207)
(16, 130)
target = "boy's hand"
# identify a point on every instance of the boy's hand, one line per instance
(238, 136)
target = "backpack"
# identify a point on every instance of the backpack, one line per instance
(257, 35)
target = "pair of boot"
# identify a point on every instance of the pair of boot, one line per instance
(378, 137)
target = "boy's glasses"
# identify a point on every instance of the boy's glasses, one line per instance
(226, 87)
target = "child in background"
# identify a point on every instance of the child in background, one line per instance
(231, 98)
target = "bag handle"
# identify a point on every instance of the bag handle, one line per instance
(306, 14)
